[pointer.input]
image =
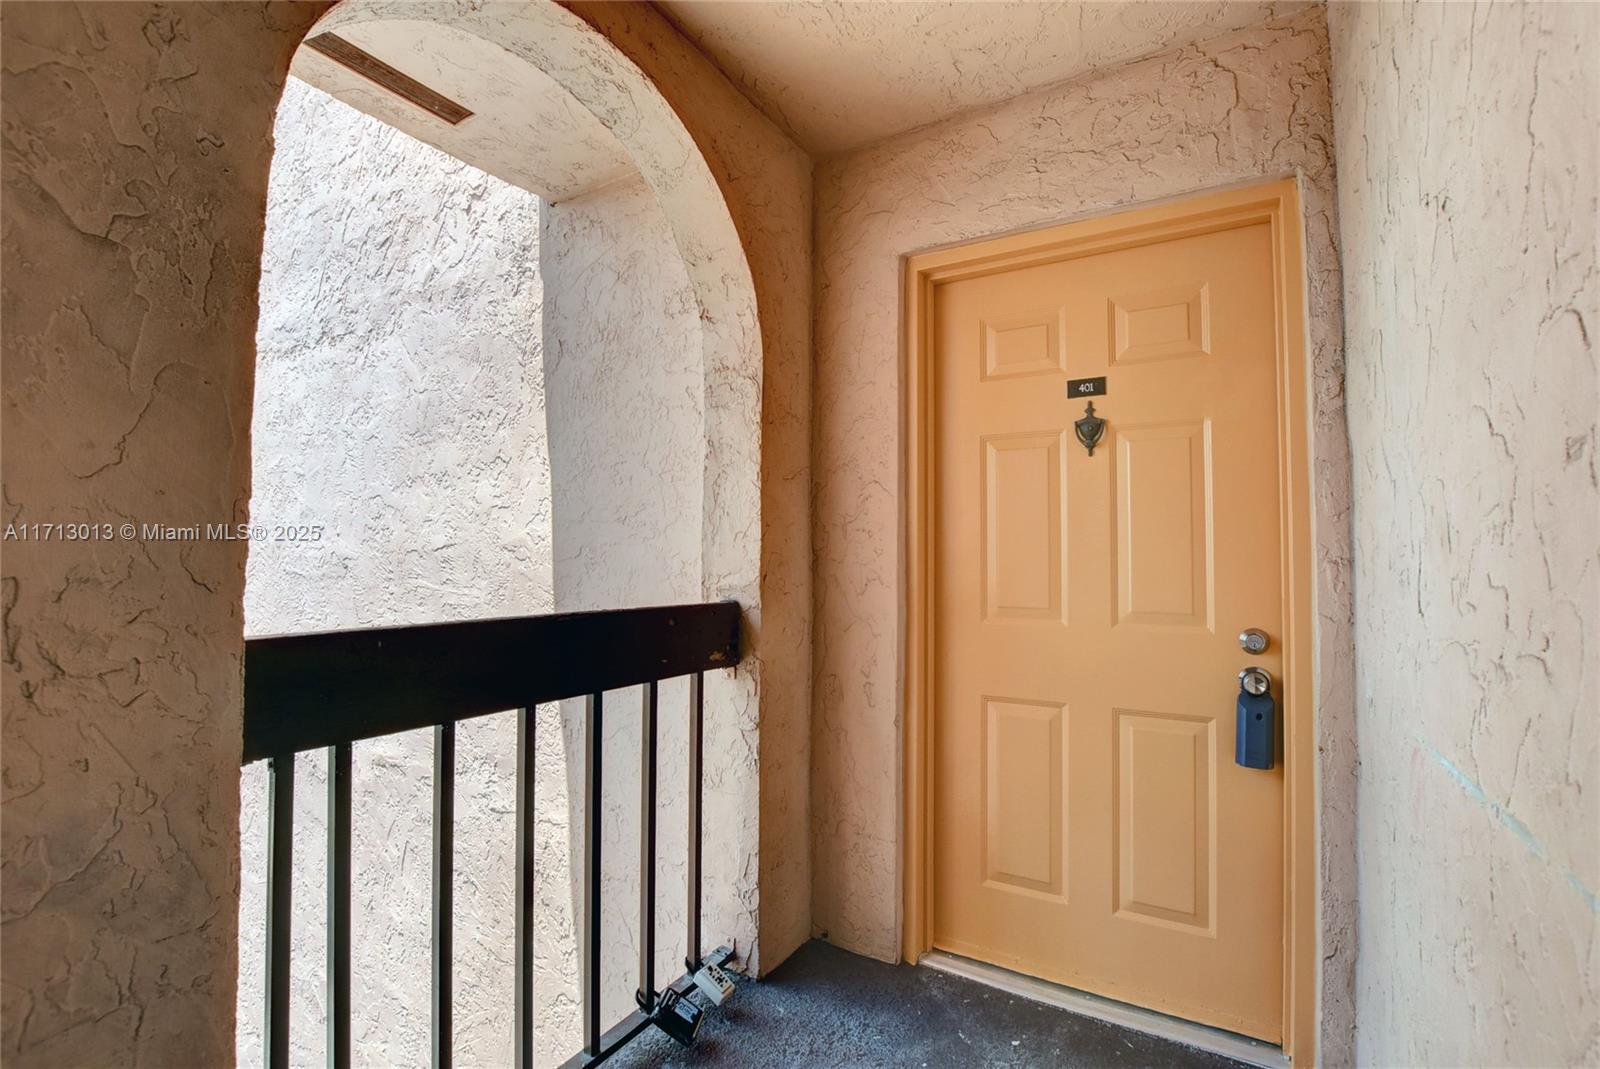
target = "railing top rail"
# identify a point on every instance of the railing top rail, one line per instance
(313, 690)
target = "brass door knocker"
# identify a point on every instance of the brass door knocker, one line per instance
(1091, 428)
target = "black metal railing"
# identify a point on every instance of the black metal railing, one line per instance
(307, 692)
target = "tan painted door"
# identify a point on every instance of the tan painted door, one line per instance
(1090, 824)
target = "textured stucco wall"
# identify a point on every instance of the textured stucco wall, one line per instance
(1237, 108)
(1468, 162)
(766, 182)
(137, 148)
(399, 406)
(137, 139)
(627, 446)
(736, 194)
(838, 76)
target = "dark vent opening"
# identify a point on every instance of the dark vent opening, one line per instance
(397, 82)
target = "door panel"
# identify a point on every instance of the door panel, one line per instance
(1163, 517)
(1024, 764)
(1022, 345)
(1089, 824)
(1022, 526)
(1166, 812)
(1166, 324)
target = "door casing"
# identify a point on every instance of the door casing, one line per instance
(1276, 203)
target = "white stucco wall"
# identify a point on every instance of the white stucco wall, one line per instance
(399, 404)
(626, 422)
(1468, 161)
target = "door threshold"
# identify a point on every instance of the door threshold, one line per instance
(1204, 1037)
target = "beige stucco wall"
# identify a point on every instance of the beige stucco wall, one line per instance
(137, 145)
(399, 409)
(1239, 108)
(137, 139)
(136, 156)
(735, 193)
(767, 184)
(627, 438)
(1468, 153)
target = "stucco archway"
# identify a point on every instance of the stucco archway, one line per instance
(528, 53)
(610, 473)
(600, 77)
(159, 289)
(736, 193)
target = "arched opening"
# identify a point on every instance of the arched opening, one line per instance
(628, 476)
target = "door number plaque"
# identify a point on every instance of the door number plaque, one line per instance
(1086, 387)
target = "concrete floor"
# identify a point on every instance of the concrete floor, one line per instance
(827, 1007)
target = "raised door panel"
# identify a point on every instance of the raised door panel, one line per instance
(1165, 818)
(1024, 768)
(1164, 324)
(1022, 345)
(1022, 499)
(1163, 522)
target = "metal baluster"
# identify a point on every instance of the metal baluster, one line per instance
(280, 907)
(526, 768)
(697, 709)
(647, 849)
(338, 972)
(593, 731)
(444, 838)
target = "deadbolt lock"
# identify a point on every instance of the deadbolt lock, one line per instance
(1253, 640)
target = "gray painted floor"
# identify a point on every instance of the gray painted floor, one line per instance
(827, 1007)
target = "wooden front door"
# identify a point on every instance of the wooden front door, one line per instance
(1090, 825)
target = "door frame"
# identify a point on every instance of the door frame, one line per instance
(1278, 204)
